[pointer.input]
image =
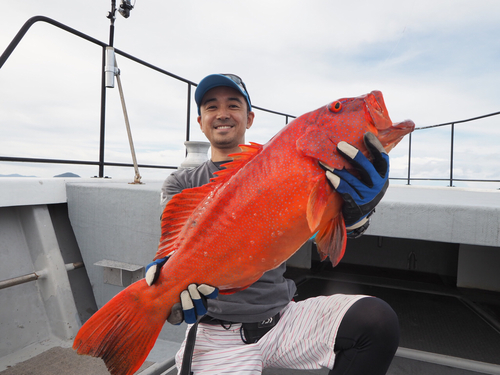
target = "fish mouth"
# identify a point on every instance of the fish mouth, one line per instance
(390, 137)
(388, 133)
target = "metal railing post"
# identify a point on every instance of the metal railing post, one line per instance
(451, 154)
(188, 117)
(102, 132)
(409, 160)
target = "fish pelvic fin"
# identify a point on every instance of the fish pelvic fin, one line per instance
(331, 240)
(123, 331)
(318, 201)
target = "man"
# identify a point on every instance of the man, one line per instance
(261, 326)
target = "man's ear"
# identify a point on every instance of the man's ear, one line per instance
(251, 116)
(199, 122)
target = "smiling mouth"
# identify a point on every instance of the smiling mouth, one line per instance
(223, 127)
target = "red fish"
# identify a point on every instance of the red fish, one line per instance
(251, 218)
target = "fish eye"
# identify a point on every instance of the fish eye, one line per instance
(335, 106)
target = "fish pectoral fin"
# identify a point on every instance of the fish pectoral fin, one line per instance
(318, 201)
(331, 240)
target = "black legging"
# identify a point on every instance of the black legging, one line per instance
(367, 339)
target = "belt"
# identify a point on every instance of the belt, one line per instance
(250, 332)
(215, 322)
(206, 319)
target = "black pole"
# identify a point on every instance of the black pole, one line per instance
(409, 159)
(451, 155)
(188, 117)
(111, 16)
(103, 115)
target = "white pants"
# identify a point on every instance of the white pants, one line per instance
(303, 339)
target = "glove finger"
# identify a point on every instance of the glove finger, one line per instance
(153, 270)
(152, 274)
(358, 161)
(198, 302)
(343, 182)
(380, 157)
(176, 315)
(188, 307)
(208, 291)
(334, 179)
(348, 184)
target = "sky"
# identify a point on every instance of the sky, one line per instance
(434, 61)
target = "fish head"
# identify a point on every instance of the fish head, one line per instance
(348, 119)
(387, 132)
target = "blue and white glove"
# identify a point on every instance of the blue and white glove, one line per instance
(193, 300)
(153, 270)
(193, 303)
(363, 194)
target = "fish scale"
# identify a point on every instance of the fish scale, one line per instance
(252, 217)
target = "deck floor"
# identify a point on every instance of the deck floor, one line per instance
(60, 360)
(433, 318)
(429, 322)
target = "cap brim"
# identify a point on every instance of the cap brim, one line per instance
(216, 80)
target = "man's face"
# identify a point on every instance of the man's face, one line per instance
(224, 117)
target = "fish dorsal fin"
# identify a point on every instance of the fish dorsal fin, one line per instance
(240, 159)
(181, 206)
(175, 215)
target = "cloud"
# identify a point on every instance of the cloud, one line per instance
(434, 61)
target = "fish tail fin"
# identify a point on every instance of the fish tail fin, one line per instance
(124, 330)
(332, 239)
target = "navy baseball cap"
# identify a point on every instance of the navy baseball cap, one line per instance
(216, 80)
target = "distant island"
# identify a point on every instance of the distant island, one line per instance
(14, 175)
(67, 174)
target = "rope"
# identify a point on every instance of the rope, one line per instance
(137, 177)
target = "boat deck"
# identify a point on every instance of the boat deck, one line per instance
(437, 321)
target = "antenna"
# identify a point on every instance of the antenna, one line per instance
(125, 8)
(111, 71)
(110, 67)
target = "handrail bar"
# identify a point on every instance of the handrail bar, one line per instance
(24, 29)
(452, 144)
(80, 162)
(35, 276)
(458, 122)
(101, 163)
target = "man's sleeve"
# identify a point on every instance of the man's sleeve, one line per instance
(171, 186)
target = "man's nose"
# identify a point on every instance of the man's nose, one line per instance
(223, 113)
